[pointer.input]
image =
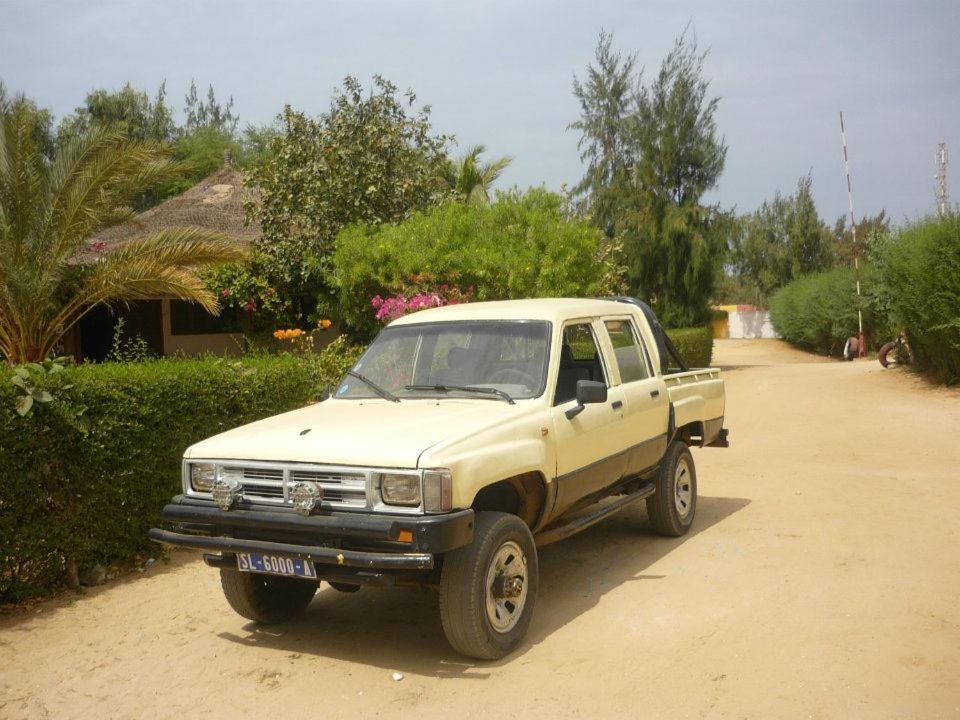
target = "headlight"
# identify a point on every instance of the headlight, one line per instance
(202, 476)
(437, 491)
(398, 489)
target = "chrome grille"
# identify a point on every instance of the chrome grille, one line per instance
(341, 489)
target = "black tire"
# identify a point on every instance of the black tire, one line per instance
(888, 355)
(463, 587)
(343, 587)
(662, 507)
(266, 599)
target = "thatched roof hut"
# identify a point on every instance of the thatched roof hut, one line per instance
(215, 203)
(170, 326)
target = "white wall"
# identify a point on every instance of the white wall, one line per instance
(751, 324)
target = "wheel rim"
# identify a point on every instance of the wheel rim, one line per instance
(506, 587)
(682, 488)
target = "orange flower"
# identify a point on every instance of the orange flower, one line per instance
(288, 334)
(324, 324)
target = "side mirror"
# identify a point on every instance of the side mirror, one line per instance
(325, 393)
(588, 391)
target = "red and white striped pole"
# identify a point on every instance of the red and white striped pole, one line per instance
(862, 352)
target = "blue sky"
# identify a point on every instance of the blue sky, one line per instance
(499, 73)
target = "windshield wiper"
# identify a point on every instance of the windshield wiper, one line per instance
(385, 394)
(463, 388)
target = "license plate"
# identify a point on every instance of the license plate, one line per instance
(275, 565)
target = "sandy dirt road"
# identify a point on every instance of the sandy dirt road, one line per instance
(822, 580)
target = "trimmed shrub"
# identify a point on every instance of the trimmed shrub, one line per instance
(819, 311)
(523, 245)
(694, 344)
(920, 272)
(911, 284)
(91, 497)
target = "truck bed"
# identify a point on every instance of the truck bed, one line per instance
(697, 395)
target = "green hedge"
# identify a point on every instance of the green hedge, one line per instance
(911, 284)
(695, 345)
(818, 312)
(91, 498)
(919, 270)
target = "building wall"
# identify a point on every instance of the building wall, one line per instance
(744, 321)
(217, 344)
(751, 324)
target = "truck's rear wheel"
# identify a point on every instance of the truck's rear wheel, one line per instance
(672, 507)
(266, 598)
(488, 588)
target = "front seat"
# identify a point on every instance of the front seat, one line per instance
(568, 375)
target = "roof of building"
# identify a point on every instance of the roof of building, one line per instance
(553, 309)
(215, 203)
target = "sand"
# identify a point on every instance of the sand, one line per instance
(821, 580)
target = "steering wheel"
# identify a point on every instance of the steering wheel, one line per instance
(506, 376)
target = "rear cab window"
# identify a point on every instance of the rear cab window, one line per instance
(629, 352)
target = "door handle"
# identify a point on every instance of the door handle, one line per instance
(617, 404)
(654, 393)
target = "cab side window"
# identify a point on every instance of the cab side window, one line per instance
(579, 360)
(627, 350)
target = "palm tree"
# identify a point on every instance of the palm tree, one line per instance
(471, 179)
(50, 276)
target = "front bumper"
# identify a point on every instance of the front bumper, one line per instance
(345, 539)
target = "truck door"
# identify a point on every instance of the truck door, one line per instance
(646, 401)
(589, 452)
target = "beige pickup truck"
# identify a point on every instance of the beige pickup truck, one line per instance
(463, 439)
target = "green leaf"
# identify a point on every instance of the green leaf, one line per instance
(42, 396)
(22, 372)
(35, 367)
(24, 403)
(19, 381)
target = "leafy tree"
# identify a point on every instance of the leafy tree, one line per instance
(608, 99)
(127, 111)
(372, 158)
(672, 241)
(471, 179)
(868, 227)
(784, 239)
(522, 245)
(201, 153)
(256, 142)
(48, 210)
(211, 113)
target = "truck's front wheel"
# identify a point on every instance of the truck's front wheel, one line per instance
(488, 588)
(266, 599)
(672, 507)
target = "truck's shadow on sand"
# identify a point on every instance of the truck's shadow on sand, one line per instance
(399, 628)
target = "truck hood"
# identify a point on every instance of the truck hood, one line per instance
(372, 433)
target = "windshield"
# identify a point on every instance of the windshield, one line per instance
(446, 359)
